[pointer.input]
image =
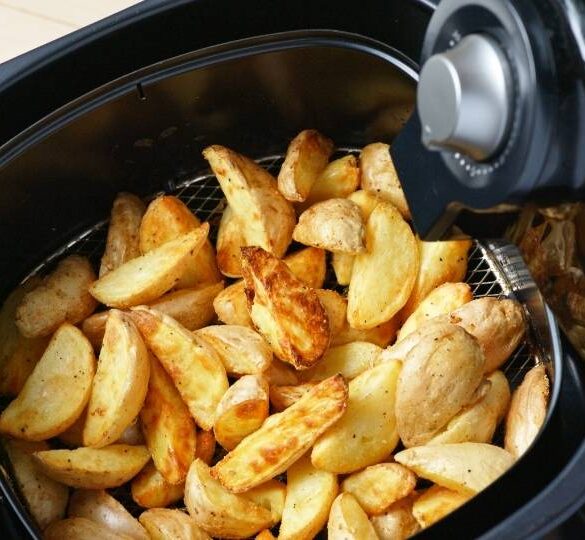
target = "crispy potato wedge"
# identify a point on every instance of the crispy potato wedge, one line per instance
(306, 159)
(149, 276)
(439, 377)
(378, 486)
(219, 512)
(241, 411)
(527, 411)
(94, 468)
(336, 308)
(380, 335)
(309, 496)
(122, 244)
(281, 374)
(168, 427)
(79, 529)
(397, 523)
(167, 524)
(268, 218)
(282, 397)
(231, 305)
(205, 446)
(348, 521)
(435, 503)
(464, 467)
(42, 410)
(270, 495)
(366, 433)
(241, 350)
(379, 176)
(389, 267)
(120, 382)
(101, 508)
(283, 438)
(230, 239)
(335, 225)
(286, 312)
(45, 498)
(193, 365)
(61, 297)
(150, 490)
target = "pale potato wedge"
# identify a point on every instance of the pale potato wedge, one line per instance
(286, 312)
(42, 410)
(45, 498)
(120, 382)
(149, 276)
(219, 512)
(335, 225)
(378, 486)
(230, 239)
(205, 446)
(241, 350)
(61, 297)
(150, 490)
(283, 438)
(366, 433)
(194, 367)
(388, 267)
(435, 503)
(79, 529)
(527, 412)
(306, 159)
(122, 244)
(73, 436)
(168, 427)
(281, 374)
(241, 411)
(309, 265)
(367, 201)
(348, 521)
(465, 467)
(231, 305)
(167, 524)
(439, 377)
(270, 495)
(309, 496)
(268, 219)
(336, 308)
(397, 523)
(282, 397)
(101, 508)
(381, 335)
(93, 468)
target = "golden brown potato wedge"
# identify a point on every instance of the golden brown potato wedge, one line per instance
(281, 374)
(120, 382)
(335, 225)
(527, 412)
(122, 244)
(241, 411)
(167, 524)
(435, 503)
(378, 486)
(366, 433)
(94, 468)
(269, 495)
(230, 239)
(286, 312)
(348, 521)
(231, 305)
(168, 427)
(308, 265)
(205, 446)
(219, 512)
(193, 365)
(282, 397)
(464, 467)
(283, 438)
(61, 297)
(42, 410)
(388, 267)
(79, 529)
(397, 523)
(306, 158)
(150, 490)
(336, 308)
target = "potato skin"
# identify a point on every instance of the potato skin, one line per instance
(78, 528)
(397, 523)
(166, 524)
(348, 521)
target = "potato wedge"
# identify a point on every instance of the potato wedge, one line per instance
(380, 335)
(268, 218)
(193, 365)
(122, 244)
(230, 239)
(149, 276)
(283, 438)
(150, 490)
(308, 265)
(348, 521)
(465, 467)
(527, 412)
(397, 523)
(61, 297)
(42, 410)
(79, 529)
(101, 508)
(132, 435)
(281, 374)
(378, 486)
(93, 468)
(205, 446)
(73, 436)
(241, 350)
(241, 411)
(265, 535)
(435, 503)
(286, 312)
(335, 225)
(336, 308)
(166, 524)
(270, 495)
(45, 498)
(366, 433)
(282, 397)
(309, 496)
(231, 305)
(306, 159)
(219, 512)
(168, 427)
(120, 382)
(389, 267)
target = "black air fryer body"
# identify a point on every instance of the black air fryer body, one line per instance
(128, 104)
